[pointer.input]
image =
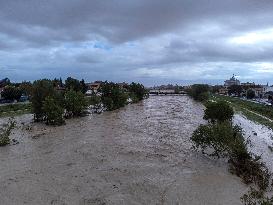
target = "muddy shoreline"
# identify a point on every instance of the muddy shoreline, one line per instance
(139, 154)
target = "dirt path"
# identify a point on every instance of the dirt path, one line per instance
(137, 155)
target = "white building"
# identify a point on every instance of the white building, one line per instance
(232, 81)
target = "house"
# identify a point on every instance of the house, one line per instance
(248, 84)
(92, 88)
(223, 91)
(267, 88)
(269, 95)
(232, 81)
(259, 91)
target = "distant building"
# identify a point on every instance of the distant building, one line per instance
(93, 87)
(258, 92)
(248, 84)
(267, 88)
(232, 81)
(223, 91)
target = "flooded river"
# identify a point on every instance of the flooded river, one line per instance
(137, 155)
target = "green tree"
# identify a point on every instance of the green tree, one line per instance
(112, 96)
(199, 92)
(218, 111)
(76, 85)
(12, 93)
(250, 94)
(216, 88)
(226, 140)
(235, 90)
(5, 132)
(41, 90)
(176, 89)
(75, 103)
(26, 88)
(84, 87)
(137, 91)
(53, 111)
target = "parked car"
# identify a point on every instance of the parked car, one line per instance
(23, 98)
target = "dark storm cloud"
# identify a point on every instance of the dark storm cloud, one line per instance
(133, 37)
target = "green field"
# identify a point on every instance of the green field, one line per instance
(256, 112)
(15, 109)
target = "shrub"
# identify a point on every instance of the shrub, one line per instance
(255, 197)
(75, 103)
(12, 93)
(222, 137)
(227, 140)
(76, 85)
(235, 90)
(26, 88)
(137, 92)
(218, 111)
(94, 100)
(113, 96)
(53, 111)
(41, 89)
(5, 132)
(250, 94)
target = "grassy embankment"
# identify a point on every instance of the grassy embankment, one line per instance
(10, 110)
(261, 114)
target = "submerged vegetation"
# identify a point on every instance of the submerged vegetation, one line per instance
(223, 139)
(5, 132)
(51, 101)
(218, 111)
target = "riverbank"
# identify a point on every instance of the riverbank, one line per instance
(139, 154)
(14, 109)
(261, 114)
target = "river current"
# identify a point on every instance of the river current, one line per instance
(140, 154)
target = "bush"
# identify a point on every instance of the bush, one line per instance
(250, 94)
(235, 90)
(94, 100)
(53, 111)
(75, 103)
(26, 88)
(218, 111)
(255, 197)
(5, 132)
(113, 96)
(199, 92)
(227, 140)
(41, 89)
(221, 137)
(137, 92)
(12, 93)
(76, 85)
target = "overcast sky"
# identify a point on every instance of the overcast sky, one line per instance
(150, 41)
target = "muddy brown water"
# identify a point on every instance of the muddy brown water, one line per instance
(139, 154)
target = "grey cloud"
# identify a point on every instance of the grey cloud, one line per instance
(168, 35)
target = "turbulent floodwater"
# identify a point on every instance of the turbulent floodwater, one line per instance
(139, 154)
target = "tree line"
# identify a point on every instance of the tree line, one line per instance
(53, 101)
